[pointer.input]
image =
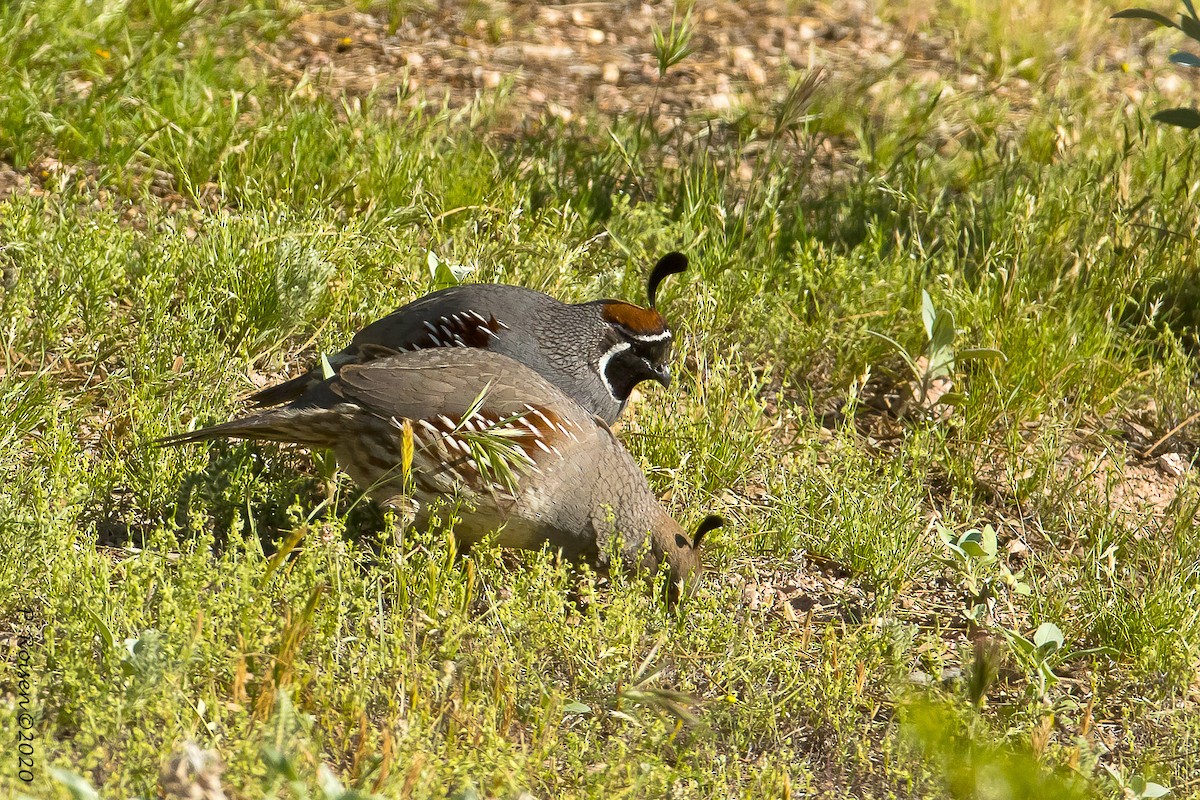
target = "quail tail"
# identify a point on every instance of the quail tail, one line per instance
(311, 427)
(284, 392)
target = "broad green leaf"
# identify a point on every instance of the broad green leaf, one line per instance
(973, 549)
(106, 634)
(978, 613)
(941, 346)
(1180, 117)
(443, 275)
(1141, 13)
(326, 367)
(1190, 26)
(1019, 643)
(1185, 58)
(77, 785)
(987, 540)
(577, 708)
(1048, 634)
(928, 313)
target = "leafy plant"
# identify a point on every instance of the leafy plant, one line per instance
(1041, 653)
(974, 554)
(1136, 787)
(1044, 651)
(933, 370)
(1189, 24)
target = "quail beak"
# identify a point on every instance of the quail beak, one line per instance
(663, 376)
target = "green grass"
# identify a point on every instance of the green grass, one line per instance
(245, 598)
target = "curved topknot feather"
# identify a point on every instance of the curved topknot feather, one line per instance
(670, 264)
(711, 522)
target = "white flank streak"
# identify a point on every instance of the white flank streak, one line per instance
(602, 365)
(432, 328)
(429, 426)
(541, 444)
(436, 342)
(449, 423)
(532, 428)
(458, 341)
(549, 424)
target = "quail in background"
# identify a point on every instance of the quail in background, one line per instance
(519, 456)
(594, 352)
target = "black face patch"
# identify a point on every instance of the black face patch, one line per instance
(656, 353)
(623, 367)
(638, 348)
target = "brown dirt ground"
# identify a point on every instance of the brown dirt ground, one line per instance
(597, 57)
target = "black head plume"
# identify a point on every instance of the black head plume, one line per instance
(710, 522)
(669, 264)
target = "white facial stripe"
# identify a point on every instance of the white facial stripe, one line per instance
(647, 337)
(602, 366)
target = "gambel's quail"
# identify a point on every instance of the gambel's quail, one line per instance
(492, 443)
(594, 352)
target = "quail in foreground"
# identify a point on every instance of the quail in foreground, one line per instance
(594, 352)
(494, 444)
